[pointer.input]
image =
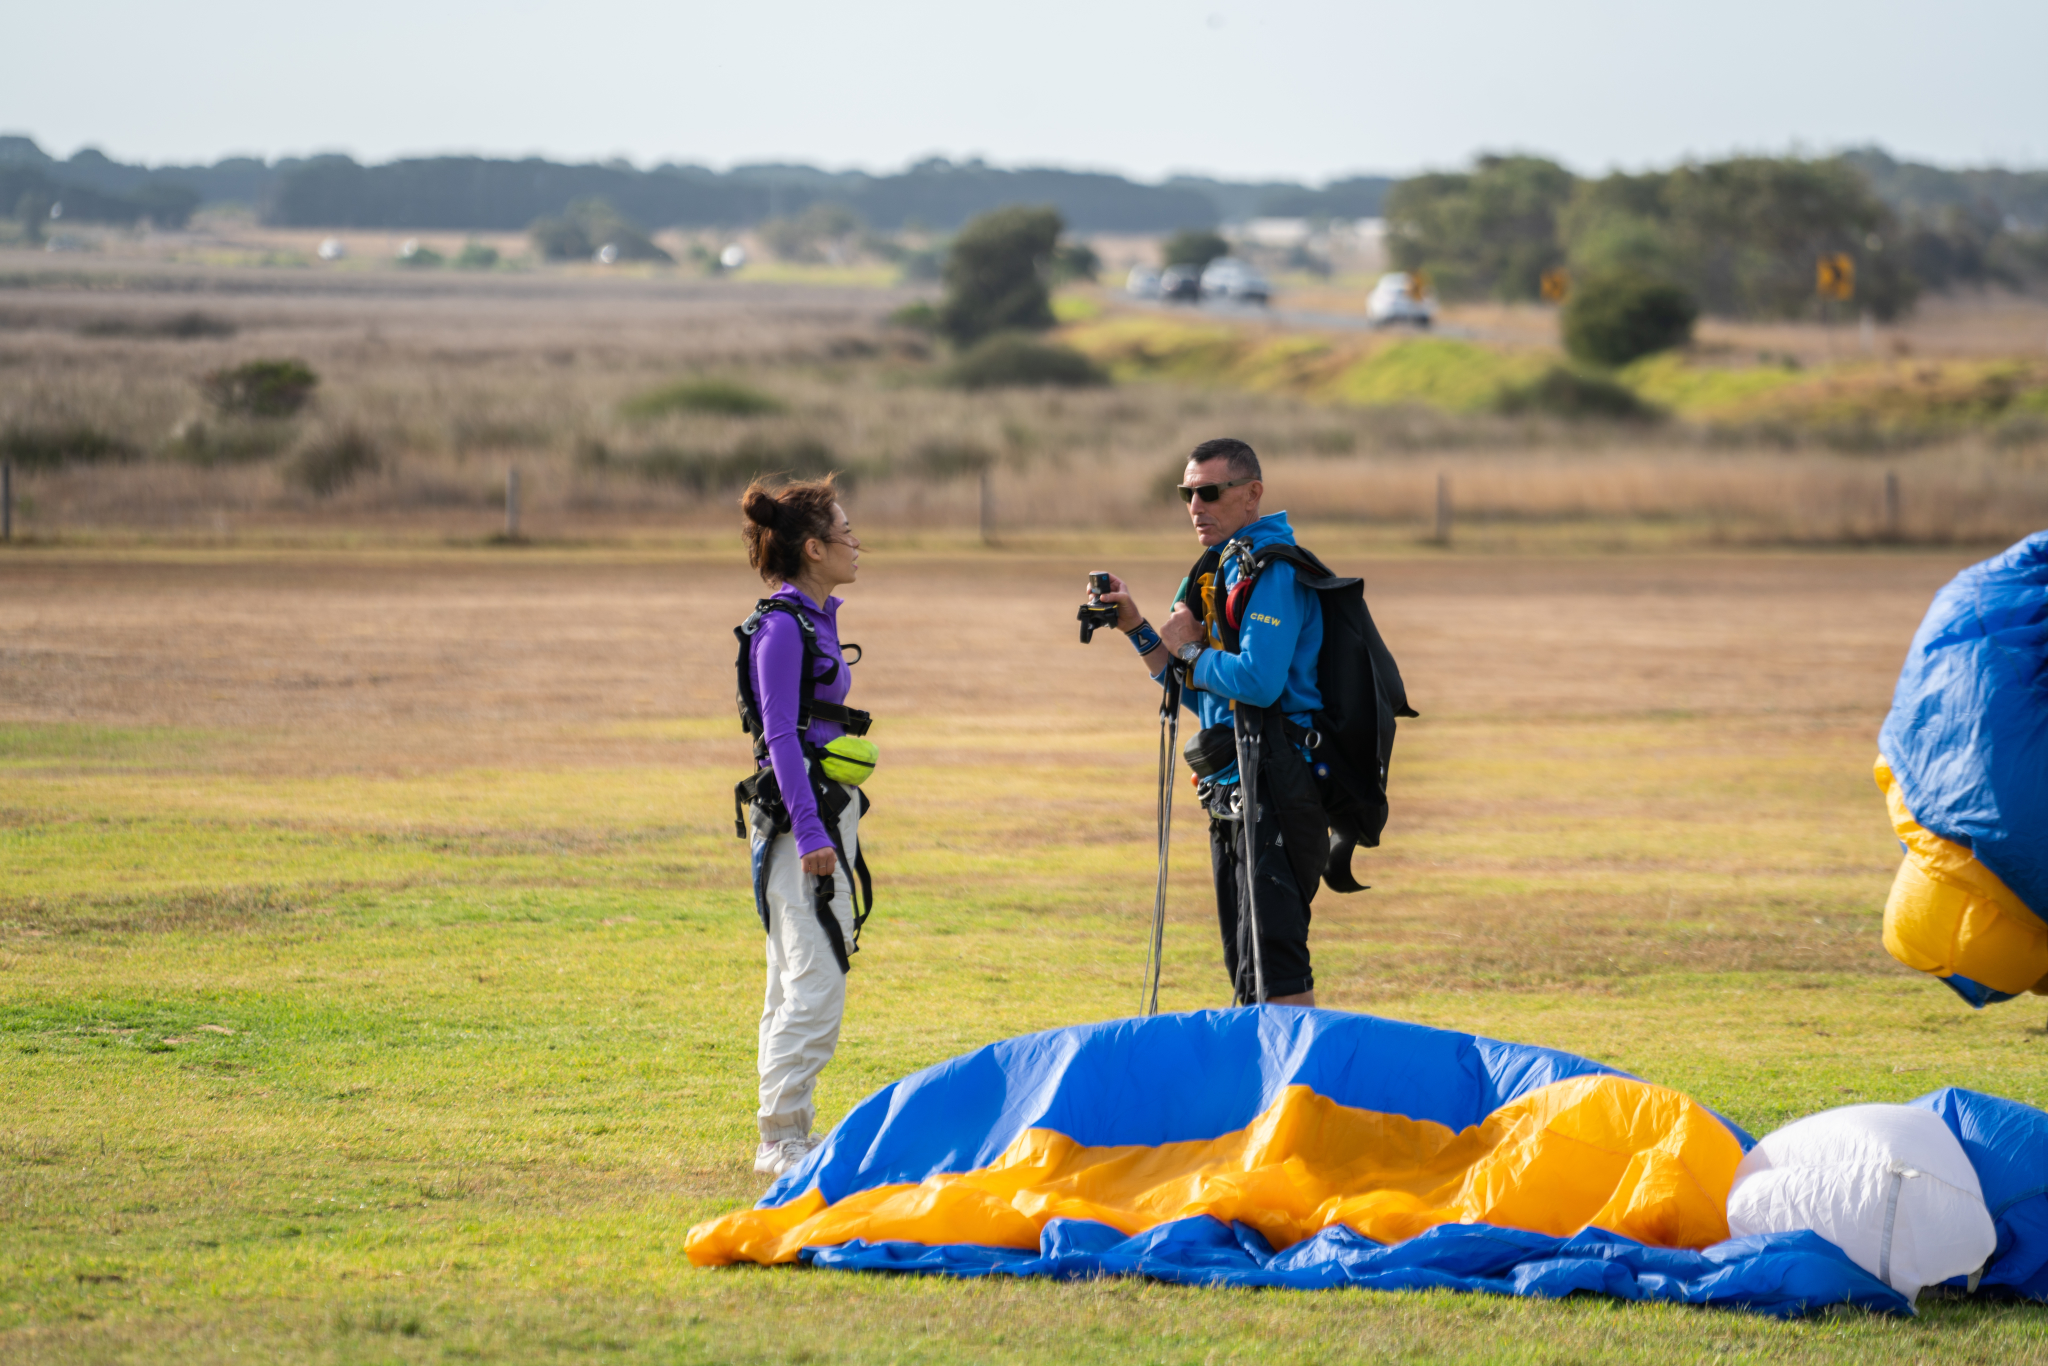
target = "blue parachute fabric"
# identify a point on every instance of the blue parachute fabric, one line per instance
(1168, 1079)
(1783, 1274)
(2007, 1142)
(1967, 737)
(1976, 993)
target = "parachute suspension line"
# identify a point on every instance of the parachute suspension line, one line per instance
(1246, 720)
(1169, 750)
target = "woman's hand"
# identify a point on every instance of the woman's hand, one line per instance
(822, 863)
(1127, 613)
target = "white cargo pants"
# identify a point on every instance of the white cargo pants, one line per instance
(806, 995)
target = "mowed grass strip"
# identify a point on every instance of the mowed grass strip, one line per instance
(443, 1066)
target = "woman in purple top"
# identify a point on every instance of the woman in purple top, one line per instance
(799, 539)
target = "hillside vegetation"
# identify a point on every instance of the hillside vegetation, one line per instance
(1895, 399)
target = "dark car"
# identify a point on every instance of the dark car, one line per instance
(1181, 284)
(1227, 277)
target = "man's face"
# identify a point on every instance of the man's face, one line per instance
(1236, 509)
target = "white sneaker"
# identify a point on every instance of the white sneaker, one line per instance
(773, 1159)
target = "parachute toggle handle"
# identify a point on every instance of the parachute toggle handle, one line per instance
(1337, 872)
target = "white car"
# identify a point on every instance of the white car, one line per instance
(1228, 277)
(1398, 298)
(1142, 282)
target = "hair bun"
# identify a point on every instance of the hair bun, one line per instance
(762, 509)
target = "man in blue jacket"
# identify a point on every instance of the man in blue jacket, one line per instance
(1279, 636)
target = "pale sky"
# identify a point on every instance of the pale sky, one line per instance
(1279, 88)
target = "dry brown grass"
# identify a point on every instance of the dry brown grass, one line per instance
(1625, 764)
(351, 649)
(456, 377)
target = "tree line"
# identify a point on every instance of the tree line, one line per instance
(1741, 236)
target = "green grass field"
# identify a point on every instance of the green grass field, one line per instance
(359, 1031)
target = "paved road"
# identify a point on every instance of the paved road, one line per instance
(1287, 317)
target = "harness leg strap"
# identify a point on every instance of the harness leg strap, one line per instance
(822, 901)
(832, 803)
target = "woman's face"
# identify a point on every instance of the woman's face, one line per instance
(841, 561)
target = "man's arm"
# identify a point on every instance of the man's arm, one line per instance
(1128, 618)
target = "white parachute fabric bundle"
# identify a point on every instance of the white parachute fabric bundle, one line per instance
(1888, 1184)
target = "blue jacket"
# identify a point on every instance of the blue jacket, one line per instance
(1277, 646)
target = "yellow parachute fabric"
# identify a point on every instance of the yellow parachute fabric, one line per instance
(1950, 915)
(1603, 1151)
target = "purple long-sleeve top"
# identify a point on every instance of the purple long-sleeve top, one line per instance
(777, 665)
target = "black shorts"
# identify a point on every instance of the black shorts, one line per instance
(1283, 913)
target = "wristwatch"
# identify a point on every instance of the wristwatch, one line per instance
(1186, 654)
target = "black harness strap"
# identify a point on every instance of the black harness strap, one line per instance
(809, 708)
(825, 888)
(760, 788)
(1280, 782)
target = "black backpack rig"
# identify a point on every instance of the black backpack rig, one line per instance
(761, 790)
(1352, 741)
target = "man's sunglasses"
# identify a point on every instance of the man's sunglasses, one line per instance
(1210, 492)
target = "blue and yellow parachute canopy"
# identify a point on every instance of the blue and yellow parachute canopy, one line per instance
(1964, 768)
(1311, 1148)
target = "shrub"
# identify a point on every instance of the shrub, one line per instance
(1075, 261)
(419, 257)
(476, 256)
(802, 457)
(330, 463)
(603, 226)
(625, 243)
(33, 211)
(1195, 247)
(181, 326)
(1008, 360)
(995, 275)
(49, 448)
(1564, 392)
(918, 316)
(1614, 318)
(703, 471)
(944, 459)
(230, 441)
(819, 233)
(725, 397)
(560, 239)
(261, 388)
(586, 228)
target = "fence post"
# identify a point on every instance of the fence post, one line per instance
(6, 500)
(1443, 510)
(512, 503)
(1891, 505)
(988, 509)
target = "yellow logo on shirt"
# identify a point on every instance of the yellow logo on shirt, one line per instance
(1261, 616)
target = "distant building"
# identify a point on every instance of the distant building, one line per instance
(1276, 232)
(1347, 245)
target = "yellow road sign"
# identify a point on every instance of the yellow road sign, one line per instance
(1418, 284)
(1557, 285)
(1834, 276)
